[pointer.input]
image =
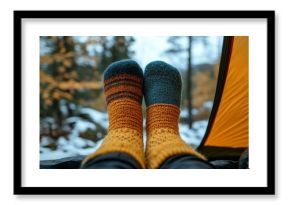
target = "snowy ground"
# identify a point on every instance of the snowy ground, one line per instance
(75, 145)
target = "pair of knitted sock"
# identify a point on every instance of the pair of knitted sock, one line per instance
(124, 85)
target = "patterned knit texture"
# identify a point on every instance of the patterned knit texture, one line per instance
(162, 91)
(123, 85)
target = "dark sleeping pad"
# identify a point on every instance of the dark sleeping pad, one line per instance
(241, 163)
(63, 163)
(74, 163)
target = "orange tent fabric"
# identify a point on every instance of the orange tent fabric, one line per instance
(230, 125)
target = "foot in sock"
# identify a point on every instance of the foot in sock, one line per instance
(162, 92)
(123, 85)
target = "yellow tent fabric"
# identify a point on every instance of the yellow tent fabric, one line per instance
(230, 125)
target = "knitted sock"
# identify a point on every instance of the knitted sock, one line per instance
(123, 81)
(162, 92)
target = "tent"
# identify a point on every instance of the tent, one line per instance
(227, 134)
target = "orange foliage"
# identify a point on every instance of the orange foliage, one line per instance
(205, 86)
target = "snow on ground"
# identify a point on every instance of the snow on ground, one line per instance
(193, 136)
(68, 149)
(98, 117)
(184, 113)
(80, 125)
(75, 145)
(208, 105)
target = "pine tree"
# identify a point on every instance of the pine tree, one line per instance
(115, 48)
(185, 45)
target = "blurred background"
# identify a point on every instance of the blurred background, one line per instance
(73, 118)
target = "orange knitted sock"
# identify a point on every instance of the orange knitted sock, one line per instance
(162, 90)
(123, 90)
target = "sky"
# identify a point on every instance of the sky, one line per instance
(151, 48)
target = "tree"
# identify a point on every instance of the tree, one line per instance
(185, 45)
(115, 48)
(71, 71)
(189, 70)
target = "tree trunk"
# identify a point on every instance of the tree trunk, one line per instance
(189, 71)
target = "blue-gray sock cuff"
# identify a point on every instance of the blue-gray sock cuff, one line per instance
(162, 84)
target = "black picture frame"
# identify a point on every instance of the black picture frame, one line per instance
(269, 189)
